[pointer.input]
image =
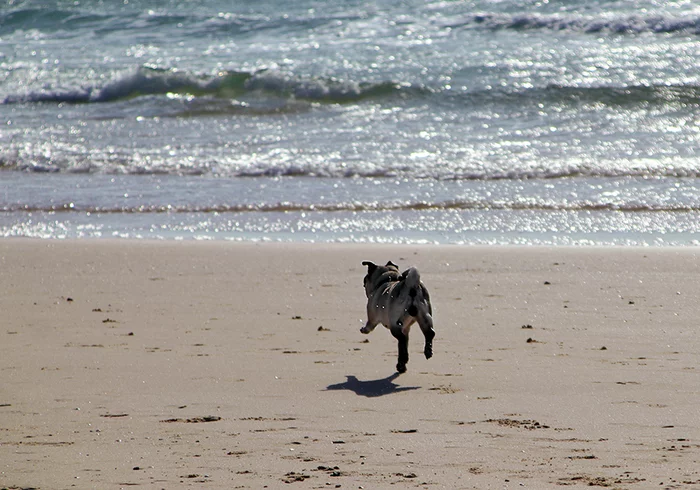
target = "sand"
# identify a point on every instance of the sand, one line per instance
(228, 365)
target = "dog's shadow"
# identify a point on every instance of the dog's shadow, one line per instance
(372, 388)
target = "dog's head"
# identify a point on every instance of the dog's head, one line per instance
(379, 274)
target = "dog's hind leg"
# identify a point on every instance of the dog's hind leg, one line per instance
(426, 325)
(398, 332)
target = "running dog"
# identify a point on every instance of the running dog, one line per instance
(398, 300)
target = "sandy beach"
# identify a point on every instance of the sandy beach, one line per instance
(226, 365)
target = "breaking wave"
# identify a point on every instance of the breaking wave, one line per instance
(227, 85)
(612, 24)
(451, 169)
(275, 85)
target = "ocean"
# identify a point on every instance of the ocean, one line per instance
(536, 122)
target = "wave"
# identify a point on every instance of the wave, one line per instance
(610, 95)
(288, 207)
(612, 24)
(192, 21)
(620, 169)
(101, 22)
(37, 18)
(147, 80)
(15, 160)
(271, 90)
(202, 23)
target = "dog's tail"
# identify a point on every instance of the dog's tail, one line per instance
(412, 282)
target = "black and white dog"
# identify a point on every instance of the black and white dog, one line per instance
(398, 300)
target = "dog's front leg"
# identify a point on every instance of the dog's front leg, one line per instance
(397, 331)
(369, 326)
(426, 325)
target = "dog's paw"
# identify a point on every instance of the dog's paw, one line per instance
(401, 368)
(365, 330)
(428, 350)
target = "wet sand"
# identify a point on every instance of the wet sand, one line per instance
(224, 365)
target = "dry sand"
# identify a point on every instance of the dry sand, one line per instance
(222, 365)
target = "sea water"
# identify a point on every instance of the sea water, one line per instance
(462, 122)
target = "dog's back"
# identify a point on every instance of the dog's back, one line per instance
(397, 301)
(397, 295)
(416, 290)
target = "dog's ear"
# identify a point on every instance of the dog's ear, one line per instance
(370, 266)
(391, 264)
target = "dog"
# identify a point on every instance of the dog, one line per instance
(397, 301)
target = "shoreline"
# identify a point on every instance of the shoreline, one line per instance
(241, 364)
(352, 210)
